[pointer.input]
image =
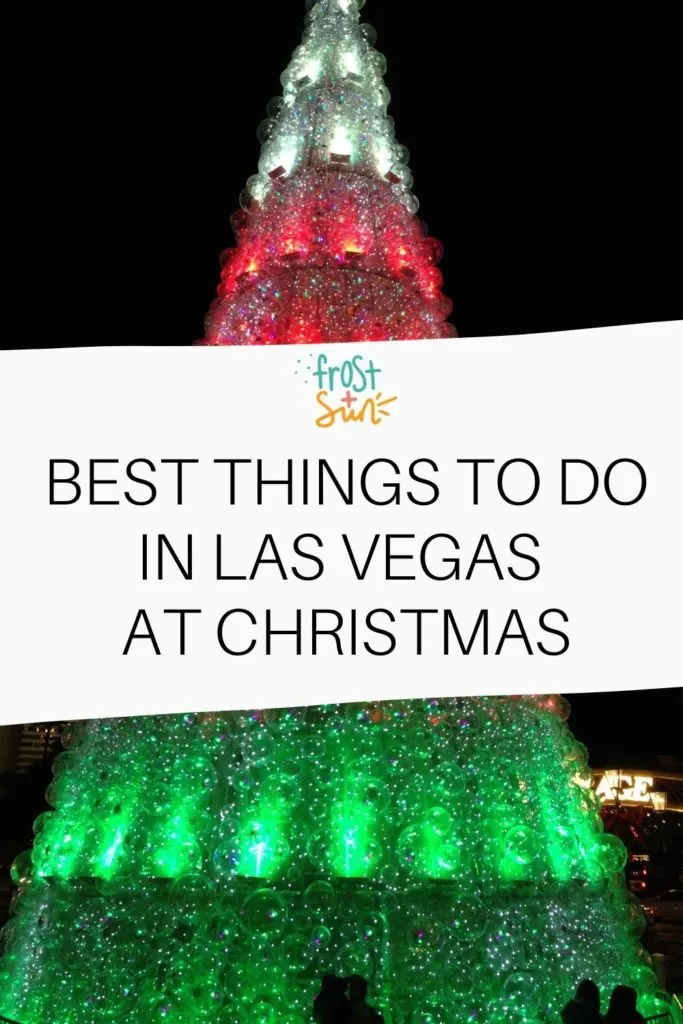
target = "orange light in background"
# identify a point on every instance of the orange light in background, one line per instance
(353, 249)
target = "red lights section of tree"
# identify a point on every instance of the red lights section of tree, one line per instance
(329, 247)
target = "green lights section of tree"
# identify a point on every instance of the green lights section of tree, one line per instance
(213, 867)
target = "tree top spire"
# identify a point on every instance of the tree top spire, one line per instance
(333, 108)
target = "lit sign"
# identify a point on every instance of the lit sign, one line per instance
(619, 787)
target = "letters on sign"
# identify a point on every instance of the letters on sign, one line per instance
(620, 786)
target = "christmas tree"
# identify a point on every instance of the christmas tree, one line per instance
(214, 867)
(329, 247)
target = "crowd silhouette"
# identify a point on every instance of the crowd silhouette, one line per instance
(584, 1008)
(344, 1001)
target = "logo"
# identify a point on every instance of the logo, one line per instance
(346, 392)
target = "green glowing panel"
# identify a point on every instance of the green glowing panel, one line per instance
(213, 867)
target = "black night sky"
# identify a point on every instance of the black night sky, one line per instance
(625, 729)
(545, 144)
(546, 151)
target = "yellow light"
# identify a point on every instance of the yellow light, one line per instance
(340, 143)
(351, 63)
(287, 155)
(353, 249)
(311, 70)
(384, 158)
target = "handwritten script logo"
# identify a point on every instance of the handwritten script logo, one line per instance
(348, 391)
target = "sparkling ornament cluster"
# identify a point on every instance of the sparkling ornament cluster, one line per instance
(213, 867)
(328, 244)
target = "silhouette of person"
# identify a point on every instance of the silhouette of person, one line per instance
(359, 1009)
(623, 1007)
(584, 1008)
(331, 1005)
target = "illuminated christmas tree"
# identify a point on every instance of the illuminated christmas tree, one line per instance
(214, 867)
(329, 248)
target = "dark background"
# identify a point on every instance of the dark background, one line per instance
(546, 149)
(628, 729)
(545, 145)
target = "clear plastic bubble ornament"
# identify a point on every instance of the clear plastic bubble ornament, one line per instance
(609, 854)
(522, 845)
(264, 914)
(468, 918)
(226, 859)
(320, 901)
(439, 820)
